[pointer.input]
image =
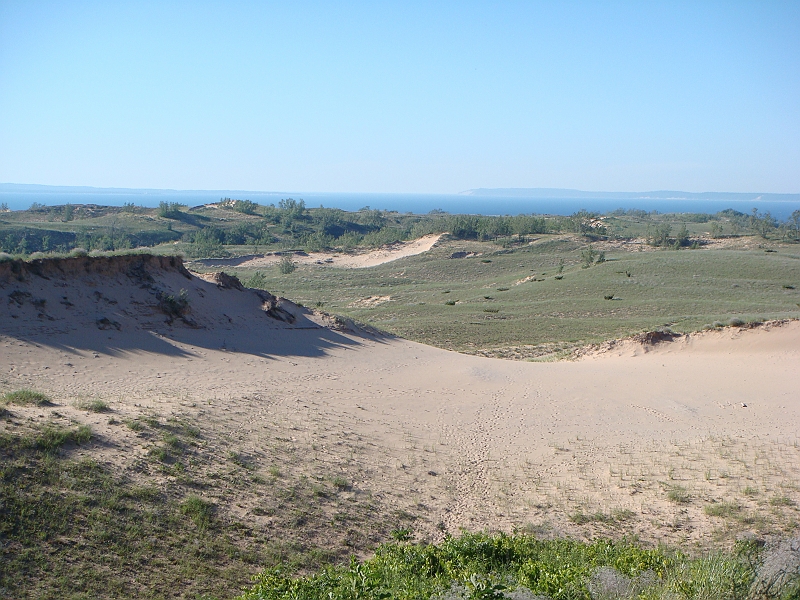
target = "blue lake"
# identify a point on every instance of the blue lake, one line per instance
(416, 203)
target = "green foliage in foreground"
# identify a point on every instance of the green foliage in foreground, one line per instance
(491, 566)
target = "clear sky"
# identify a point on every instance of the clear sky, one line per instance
(409, 96)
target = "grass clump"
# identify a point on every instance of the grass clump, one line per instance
(516, 566)
(781, 501)
(729, 510)
(95, 406)
(679, 495)
(49, 439)
(26, 397)
(198, 510)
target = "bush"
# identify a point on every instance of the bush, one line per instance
(247, 207)
(170, 210)
(175, 307)
(679, 495)
(286, 265)
(258, 280)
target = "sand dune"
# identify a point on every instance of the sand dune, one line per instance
(461, 440)
(360, 260)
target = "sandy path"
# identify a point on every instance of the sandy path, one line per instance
(330, 259)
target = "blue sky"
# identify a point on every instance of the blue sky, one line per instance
(432, 97)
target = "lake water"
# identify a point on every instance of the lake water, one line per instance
(416, 203)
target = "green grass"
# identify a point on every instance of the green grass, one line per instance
(485, 566)
(168, 525)
(25, 396)
(679, 495)
(686, 289)
(95, 406)
(728, 510)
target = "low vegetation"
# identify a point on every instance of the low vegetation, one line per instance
(73, 526)
(537, 300)
(25, 396)
(481, 566)
(240, 226)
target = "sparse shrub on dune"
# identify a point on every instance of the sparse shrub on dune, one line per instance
(174, 306)
(257, 281)
(286, 265)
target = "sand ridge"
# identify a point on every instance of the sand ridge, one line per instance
(362, 260)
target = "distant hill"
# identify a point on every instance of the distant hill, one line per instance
(655, 195)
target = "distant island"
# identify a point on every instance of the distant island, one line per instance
(551, 193)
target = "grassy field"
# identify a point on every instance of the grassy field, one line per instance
(535, 299)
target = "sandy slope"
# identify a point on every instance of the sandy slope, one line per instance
(459, 440)
(363, 260)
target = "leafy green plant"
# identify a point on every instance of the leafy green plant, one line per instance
(470, 566)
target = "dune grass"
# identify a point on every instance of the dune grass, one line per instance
(537, 299)
(25, 396)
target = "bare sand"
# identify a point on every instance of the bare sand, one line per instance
(580, 448)
(360, 260)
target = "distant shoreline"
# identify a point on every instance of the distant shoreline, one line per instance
(506, 201)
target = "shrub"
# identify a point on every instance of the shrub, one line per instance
(247, 207)
(52, 438)
(340, 483)
(722, 509)
(257, 280)
(170, 210)
(781, 501)
(286, 265)
(588, 256)
(175, 307)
